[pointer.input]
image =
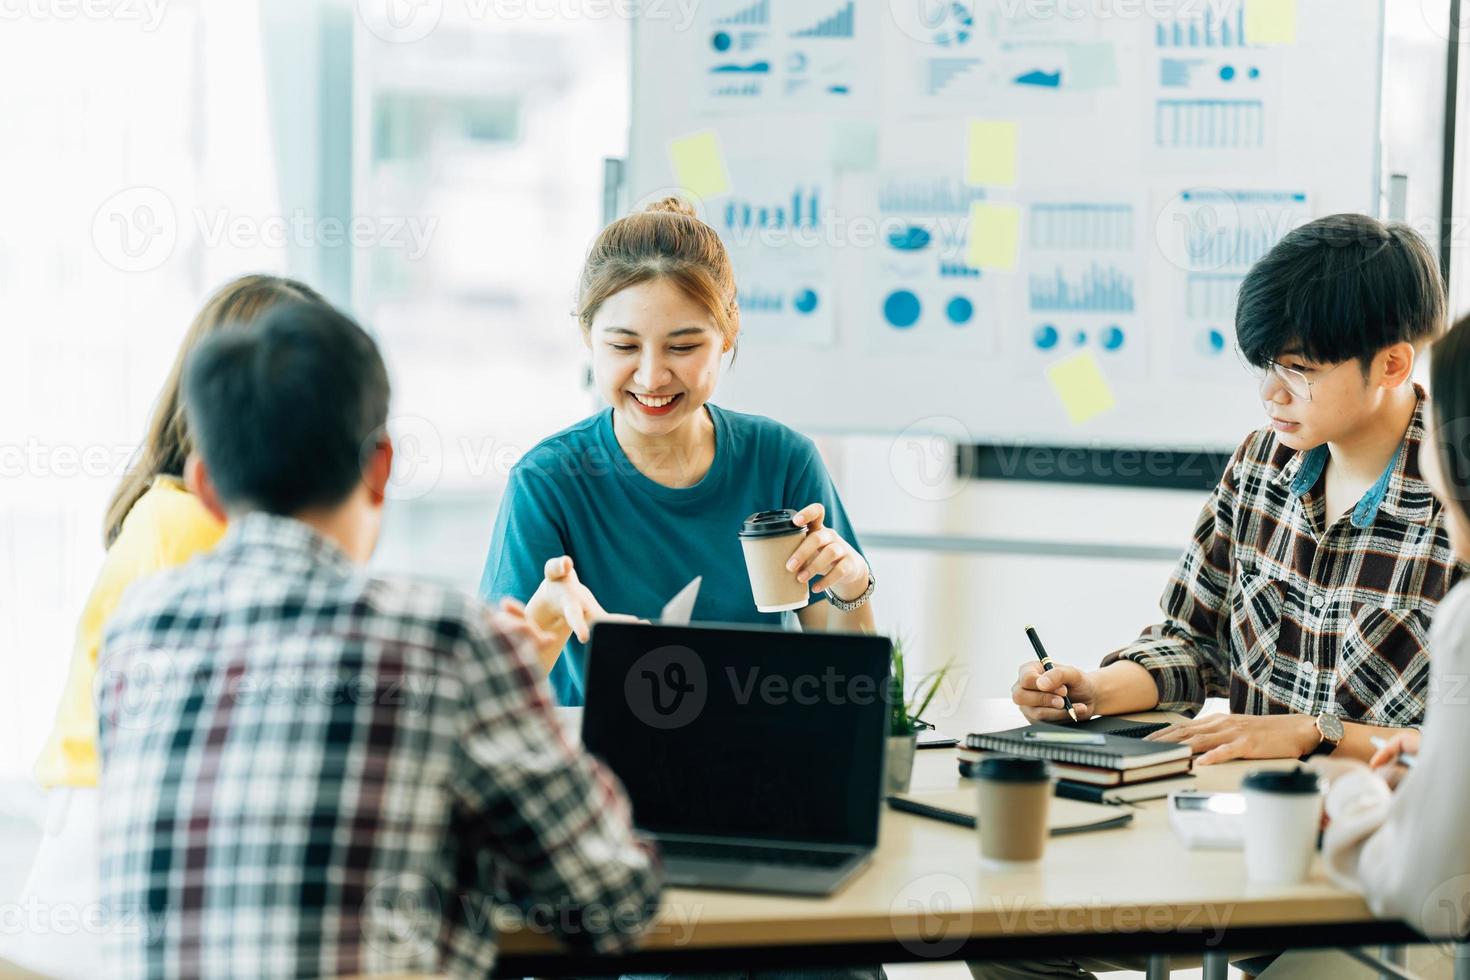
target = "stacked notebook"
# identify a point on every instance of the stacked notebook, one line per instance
(1124, 769)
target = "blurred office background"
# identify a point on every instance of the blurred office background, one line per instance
(444, 188)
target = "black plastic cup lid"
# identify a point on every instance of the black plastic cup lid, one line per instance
(1299, 780)
(1012, 769)
(769, 524)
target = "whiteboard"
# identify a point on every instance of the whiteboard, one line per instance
(1158, 151)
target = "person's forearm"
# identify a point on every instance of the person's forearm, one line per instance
(549, 654)
(823, 616)
(860, 620)
(817, 615)
(1357, 740)
(1123, 687)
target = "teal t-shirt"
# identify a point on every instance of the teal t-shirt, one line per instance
(636, 543)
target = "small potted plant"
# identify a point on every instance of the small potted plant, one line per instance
(903, 715)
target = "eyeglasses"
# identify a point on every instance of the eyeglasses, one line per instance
(1293, 380)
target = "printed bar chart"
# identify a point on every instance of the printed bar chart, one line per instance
(1235, 247)
(750, 89)
(1205, 31)
(928, 196)
(947, 74)
(760, 301)
(1099, 289)
(1178, 72)
(1211, 297)
(838, 25)
(1210, 124)
(1079, 226)
(1222, 231)
(803, 210)
(756, 14)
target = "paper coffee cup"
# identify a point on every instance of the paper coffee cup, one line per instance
(1015, 795)
(769, 538)
(1283, 813)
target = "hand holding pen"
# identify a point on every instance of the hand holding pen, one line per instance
(1401, 750)
(1046, 691)
(1047, 665)
(1395, 757)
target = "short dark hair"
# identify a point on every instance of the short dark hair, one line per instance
(1449, 388)
(1341, 287)
(284, 413)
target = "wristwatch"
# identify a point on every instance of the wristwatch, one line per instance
(1329, 727)
(849, 605)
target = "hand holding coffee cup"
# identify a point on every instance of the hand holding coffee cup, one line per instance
(790, 554)
(825, 560)
(770, 539)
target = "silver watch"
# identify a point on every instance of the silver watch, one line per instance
(849, 605)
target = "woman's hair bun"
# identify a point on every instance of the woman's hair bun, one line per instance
(673, 205)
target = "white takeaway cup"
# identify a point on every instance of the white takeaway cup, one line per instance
(1283, 816)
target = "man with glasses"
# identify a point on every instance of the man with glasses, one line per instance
(1306, 593)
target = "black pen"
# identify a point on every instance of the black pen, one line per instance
(1046, 664)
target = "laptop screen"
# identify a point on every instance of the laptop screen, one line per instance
(742, 732)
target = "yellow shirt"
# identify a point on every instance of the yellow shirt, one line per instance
(166, 527)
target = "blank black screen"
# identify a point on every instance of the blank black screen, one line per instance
(787, 742)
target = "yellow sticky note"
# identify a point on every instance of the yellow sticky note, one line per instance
(1080, 384)
(1270, 21)
(995, 236)
(990, 157)
(699, 164)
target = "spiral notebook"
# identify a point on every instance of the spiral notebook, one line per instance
(1116, 752)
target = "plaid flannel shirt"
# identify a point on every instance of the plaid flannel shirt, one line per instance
(1282, 615)
(308, 771)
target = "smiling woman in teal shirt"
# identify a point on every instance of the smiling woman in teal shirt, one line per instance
(621, 510)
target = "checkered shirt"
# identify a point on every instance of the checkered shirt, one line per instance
(310, 771)
(1281, 615)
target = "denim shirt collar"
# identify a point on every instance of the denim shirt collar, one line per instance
(1400, 491)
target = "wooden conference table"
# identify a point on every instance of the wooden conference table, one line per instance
(1123, 892)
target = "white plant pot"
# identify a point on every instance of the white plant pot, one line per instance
(900, 764)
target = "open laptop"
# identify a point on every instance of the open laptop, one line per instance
(753, 756)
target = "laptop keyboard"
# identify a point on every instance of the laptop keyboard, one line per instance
(1141, 730)
(752, 853)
